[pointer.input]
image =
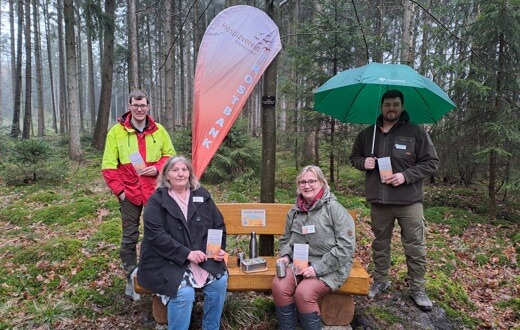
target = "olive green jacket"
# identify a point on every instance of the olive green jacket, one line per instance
(331, 246)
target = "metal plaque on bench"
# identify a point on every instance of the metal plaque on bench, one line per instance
(253, 265)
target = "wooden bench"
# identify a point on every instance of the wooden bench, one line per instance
(337, 308)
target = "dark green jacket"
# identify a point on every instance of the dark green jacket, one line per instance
(411, 152)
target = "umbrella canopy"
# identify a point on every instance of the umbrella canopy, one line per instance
(354, 96)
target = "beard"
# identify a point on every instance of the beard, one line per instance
(392, 116)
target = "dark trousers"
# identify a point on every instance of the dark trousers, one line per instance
(130, 219)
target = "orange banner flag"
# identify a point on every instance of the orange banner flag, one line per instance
(239, 44)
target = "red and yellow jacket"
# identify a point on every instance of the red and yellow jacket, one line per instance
(154, 145)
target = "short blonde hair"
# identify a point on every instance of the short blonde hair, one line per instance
(319, 175)
(193, 182)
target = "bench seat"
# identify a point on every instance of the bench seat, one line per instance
(356, 284)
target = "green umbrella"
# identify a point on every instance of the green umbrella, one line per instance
(354, 96)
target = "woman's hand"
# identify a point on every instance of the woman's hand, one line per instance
(197, 257)
(220, 255)
(285, 259)
(308, 272)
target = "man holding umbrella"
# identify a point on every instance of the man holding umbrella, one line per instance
(405, 147)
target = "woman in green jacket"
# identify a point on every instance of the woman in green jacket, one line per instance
(319, 223)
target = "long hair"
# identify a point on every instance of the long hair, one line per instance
(162, 181)
(319, 175)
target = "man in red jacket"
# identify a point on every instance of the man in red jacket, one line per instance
(135, 150)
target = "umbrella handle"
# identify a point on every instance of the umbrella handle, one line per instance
(373, 141)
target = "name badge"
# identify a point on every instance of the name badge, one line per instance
(400, 146)
(308, 229)
(198, 199)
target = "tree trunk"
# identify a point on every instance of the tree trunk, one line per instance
(72, 84)
(39, 74)
(169, 67)
(133, 68)
(332, 150)
(63, 84)
(407, 51)
(100, 133)
(79, 73)
(182, 71)
(1, 76)
(49, 58)
(378, 56)
(268, 140)
(15, 128)
(91, 98)
(493, 157)
(27, 118)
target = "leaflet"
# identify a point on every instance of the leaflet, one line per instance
(138, 162)
(300, 257)
(214, 242)
(385, 168)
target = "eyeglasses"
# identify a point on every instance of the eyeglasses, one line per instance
(137, 106)
(311, 183)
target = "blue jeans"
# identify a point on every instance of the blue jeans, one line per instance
(179, 308)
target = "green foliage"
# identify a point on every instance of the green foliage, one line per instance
(45, 197)
(107, 302)
(89, 269)
(384, 315)
(181, 140)
(32, 160)
(516, 242)
(70, 212)
(513, 303)
(240, 313)
(108, 232)
(17, 213)
(458, 220)
(446, 292)
(238, 157)
(46, 314)
(56, 249)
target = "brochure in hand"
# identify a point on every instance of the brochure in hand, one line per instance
(385, 168)
(214, 242)
(300, 257)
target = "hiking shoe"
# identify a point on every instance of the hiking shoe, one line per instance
(377, 288)
(421, 300)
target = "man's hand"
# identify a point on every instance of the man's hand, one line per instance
(121, 196)
(396, 179)
(149, 171)
(370, 163)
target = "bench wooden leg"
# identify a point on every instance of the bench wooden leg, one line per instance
(337, 309)
(159, 310)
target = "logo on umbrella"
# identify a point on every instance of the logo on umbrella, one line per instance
(392, 81)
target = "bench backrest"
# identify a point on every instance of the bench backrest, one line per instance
(238, 214)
